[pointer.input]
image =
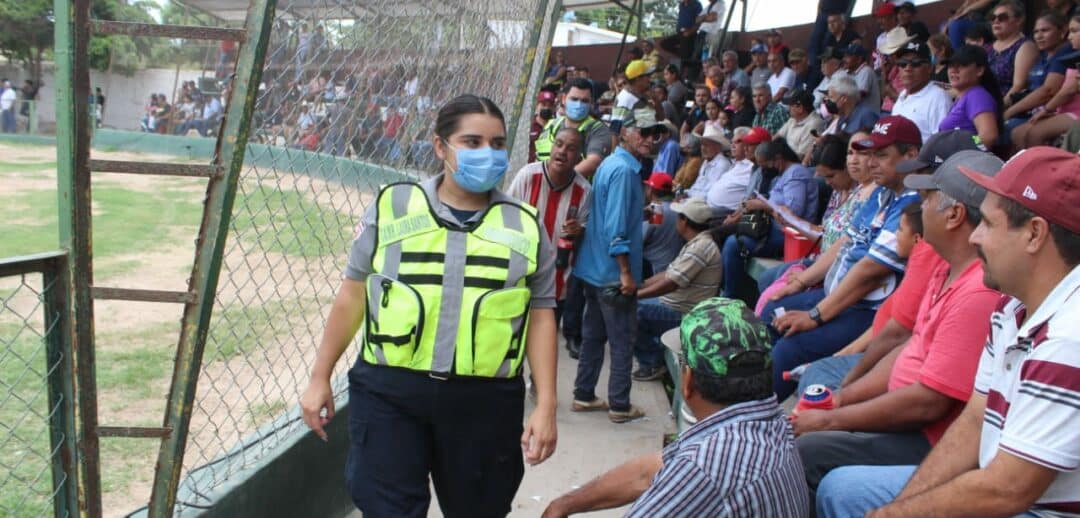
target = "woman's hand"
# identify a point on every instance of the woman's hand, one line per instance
(756, 204)
(317, 397)
(540, 435)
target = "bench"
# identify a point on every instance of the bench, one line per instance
(756, 267)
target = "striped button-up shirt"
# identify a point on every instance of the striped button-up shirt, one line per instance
(740, 461)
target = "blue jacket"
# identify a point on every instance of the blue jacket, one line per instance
(669, 159)
(614, 228)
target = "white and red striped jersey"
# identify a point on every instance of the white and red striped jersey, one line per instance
(553, 202)
(1030, 375)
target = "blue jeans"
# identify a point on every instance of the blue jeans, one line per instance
(617, 326)
(828, 371)
(9, 120)
(790, 352)
(573, 308)
(654, 319)
(855, 490)
(735, 260)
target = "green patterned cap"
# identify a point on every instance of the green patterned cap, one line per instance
(719, 329)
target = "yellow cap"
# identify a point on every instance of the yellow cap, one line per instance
(636, 69)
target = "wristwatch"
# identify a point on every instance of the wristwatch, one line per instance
(815, 315)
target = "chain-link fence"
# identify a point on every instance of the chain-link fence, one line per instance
(349, 96)
(34, 410)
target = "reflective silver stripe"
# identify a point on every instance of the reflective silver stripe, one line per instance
(399, 203)
(504, 369)
(379, 356)
(450, 310)
(519, 264)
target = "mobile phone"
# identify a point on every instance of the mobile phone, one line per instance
(689, 104)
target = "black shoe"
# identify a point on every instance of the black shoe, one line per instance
(573, 346)
(649, 373)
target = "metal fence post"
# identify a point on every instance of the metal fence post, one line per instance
(58, 352)
(527, 70)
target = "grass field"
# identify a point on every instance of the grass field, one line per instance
(287, 245)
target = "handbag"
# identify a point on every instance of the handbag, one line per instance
(755, 224)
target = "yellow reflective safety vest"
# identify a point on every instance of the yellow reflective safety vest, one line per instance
(446, 300)
(546, 139)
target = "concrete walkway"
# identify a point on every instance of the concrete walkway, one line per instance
(588, 445)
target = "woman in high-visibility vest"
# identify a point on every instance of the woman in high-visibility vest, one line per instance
(451, 285)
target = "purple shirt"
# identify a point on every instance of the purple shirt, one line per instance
(962, 116)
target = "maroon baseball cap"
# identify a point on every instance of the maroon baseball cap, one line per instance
(890, 130)
(545, 96)
(1046, 180)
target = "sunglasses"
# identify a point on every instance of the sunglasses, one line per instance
(653, 131)
(1001, 17)
(904, 63)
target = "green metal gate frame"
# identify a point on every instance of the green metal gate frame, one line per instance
(74, 167)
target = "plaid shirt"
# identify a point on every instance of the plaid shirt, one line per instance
(772, 117)
(740, 461)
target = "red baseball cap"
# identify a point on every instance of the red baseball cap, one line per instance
(545, 97)
(660, 181)
(890, 130)
(1044, 179)
(757, 135)
(885, 9)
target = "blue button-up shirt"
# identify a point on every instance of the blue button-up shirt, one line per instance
(614, 228)
(688, 13)
(797, 190)
(740, 461)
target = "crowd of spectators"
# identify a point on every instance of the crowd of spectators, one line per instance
(931, 166)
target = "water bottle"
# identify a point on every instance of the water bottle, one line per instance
(796, 373)
(565, 244)
(656, 214)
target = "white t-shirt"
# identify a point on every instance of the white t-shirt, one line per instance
(1030, 375)
(926, 108)
(721, 13)
(710, 173)
(730, 190)
(785, 79)
(7, 99)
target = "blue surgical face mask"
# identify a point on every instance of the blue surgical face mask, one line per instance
(479, 170)
(577, 110)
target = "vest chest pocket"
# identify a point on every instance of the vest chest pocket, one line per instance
(499, 319)
(395, 320)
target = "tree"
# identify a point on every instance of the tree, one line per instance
(658, 18)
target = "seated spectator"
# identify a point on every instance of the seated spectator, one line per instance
(895, 318)
(738, 459)
(885, 16)
(977, 106)
(665, 109)
(774, 40)
(905, 14)
(843, 169)
(660, 240)
(981, 35)
(1013, 449)
(669, 158)
(781, 79)
(818, 322)
(806, 77)
(840, 36)
(1061, 112)
(770, 115)
(800, 130)
(865, 79)
(793, 191)
(969, 14)
(146, 123)
(758, 69)
(920, 101)
(890, 73)
(690, 147)
(849, 113)
(713, 149)
(734, 77)
(742, 107)
(940, 52)
(663, 299)
(1047, 76)
(832, 62)
(713, 109)
(727, 193)
(923, 384)
(162, 113)
(1012, 54)
(696, 115)
(677, 92)
(208, 119)
(652, 58)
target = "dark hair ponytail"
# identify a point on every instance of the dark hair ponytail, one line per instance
(449, 118)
